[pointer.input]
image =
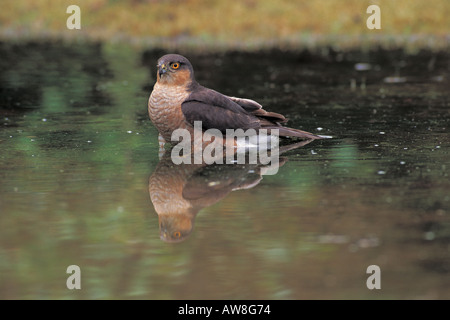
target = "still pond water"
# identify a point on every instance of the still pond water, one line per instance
(80, 160)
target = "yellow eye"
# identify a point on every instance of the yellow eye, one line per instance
(177, 234)
(175, 65)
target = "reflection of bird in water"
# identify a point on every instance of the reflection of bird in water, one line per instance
(177, 101)
(179, 192)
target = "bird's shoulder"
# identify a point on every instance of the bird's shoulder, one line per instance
(202, 95)
(216, 110)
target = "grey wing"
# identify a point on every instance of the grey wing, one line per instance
(247, 104)
(218, 111)
(253, 107)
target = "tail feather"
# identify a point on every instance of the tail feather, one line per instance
(291, 132)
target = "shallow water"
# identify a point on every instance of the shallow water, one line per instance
(80, 166)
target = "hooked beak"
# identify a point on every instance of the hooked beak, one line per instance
(162, 69)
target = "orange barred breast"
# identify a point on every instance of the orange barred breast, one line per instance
(164, 108)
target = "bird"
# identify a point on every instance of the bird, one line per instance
(177, 101)
(179, 192)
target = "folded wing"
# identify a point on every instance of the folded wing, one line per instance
(221, 112)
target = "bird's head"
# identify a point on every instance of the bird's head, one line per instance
(174, 69)
(175, 227)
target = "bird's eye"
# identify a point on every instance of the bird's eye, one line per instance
(177, 234)
(175, 65)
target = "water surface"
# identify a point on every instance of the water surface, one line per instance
(80, 161)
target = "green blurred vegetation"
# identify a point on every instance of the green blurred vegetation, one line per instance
(80, 150)
(235, 24)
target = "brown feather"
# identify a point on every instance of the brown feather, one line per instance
(177, 101)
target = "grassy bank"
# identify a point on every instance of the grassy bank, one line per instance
(232, 24)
